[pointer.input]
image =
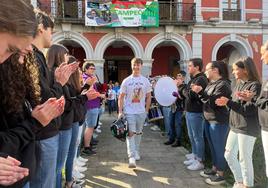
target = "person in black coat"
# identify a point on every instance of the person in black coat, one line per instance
(216, 118)
(244, 122)
(21, 114)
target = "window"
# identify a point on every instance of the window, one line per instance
(231, 10)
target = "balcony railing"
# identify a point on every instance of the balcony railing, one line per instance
(176, 13)
(74, 11)
(231, 14)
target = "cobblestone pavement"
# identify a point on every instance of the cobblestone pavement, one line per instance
(160, 166)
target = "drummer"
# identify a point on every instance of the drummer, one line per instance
(173, 122)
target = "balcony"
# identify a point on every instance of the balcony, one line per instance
(231, 14)
(175, 13)
(73, 11)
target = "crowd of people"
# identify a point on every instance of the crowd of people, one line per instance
(50, 108)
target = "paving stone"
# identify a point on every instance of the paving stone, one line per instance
(160, 166)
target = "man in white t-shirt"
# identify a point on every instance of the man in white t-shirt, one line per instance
(134, 103)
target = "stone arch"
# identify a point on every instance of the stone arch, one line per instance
(241, 44)
(77, 37)
(180, 43)
(109, 38)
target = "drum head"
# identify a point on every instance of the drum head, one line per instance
(163, 91)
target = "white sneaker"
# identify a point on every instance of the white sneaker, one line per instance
(189, 162)
(137, 156)
(78, 175)
(80, 168)
(155, 128)
(189, 156)
(132, 162)
(196, 166)
(98, 130)
(82, 159)
(79, 163)
(100, 123)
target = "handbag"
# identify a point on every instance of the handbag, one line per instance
(119, 129)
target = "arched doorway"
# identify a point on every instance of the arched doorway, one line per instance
(230, 52)
(117, 61)
(166, 60)
(75, 49)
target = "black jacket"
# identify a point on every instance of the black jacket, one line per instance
(244, 115)
(78, 105)
(180, 102)
(214, 90)
(49, 88)
(17, 139)
(192, 101)
(262, 103)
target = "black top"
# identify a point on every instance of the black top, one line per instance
(244, 115)
(192, 101)
(262, 103)
(17, 139)
(49, 88)
(212, 112)
(180, 102)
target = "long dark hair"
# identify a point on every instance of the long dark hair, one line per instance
(248, 64)
(17, 17)
(222, 68)
(18, 83)
(74, 79)
(55, 55)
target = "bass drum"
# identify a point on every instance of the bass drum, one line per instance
(164, 91)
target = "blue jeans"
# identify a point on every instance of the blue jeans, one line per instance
(216, 135)
(177, 123)
(64, 144)
(46, 170)
(135, 125)
(72, 152)
(167, 119)
(111, 105)
(195, 128)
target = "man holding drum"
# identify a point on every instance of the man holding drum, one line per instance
(134, 103)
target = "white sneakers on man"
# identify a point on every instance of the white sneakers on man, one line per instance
(78, 175)
(189, 162)
(132, 162)
(196, 165)
(137, 156)
(82, 159)
(189, 156)
(80, 168)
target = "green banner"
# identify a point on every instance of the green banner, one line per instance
(122, 14)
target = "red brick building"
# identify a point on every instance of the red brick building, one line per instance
(208, 29)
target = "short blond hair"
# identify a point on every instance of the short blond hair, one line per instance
(136, 60)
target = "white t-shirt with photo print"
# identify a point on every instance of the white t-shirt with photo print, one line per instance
(135, 89)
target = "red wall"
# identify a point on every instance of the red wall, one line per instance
(144, 38)
(207, 15)
(256, 52)
(253, 4)
(209, 41)
(161, 58)
(209, 3)
(253, 15)
(93, 38)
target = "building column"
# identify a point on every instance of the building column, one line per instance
(264, 66)
(197, 45)
(99, 63)
(265, 11)
(147, 67)
(198, 12)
